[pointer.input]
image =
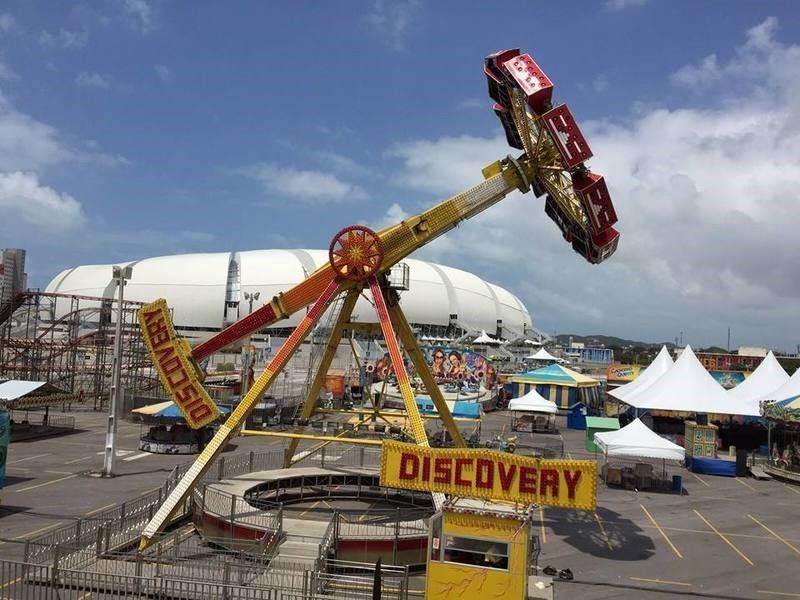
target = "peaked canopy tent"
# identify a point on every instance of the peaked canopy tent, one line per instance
(483, 338)
(543, 354)
(790, 389)
(688, 388)
(533, 402)
(660, 365)
(532, 412)
(559, 384)
(638, 441)
(166, 411)
(768, 377)
(19, 394)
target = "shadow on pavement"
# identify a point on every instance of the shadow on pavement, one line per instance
(623, 539)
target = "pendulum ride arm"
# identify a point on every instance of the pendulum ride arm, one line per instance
(322, 369)
(396, 356)
(412, 349)
(238, 416)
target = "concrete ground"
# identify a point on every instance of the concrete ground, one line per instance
(727, 538)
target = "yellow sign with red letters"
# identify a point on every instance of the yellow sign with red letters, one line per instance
(483, 473)
(177, 371)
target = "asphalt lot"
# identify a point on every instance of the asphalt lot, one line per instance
(730, 538)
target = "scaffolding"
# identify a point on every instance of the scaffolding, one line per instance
(68, 340)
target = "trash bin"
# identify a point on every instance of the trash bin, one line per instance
(677, 483)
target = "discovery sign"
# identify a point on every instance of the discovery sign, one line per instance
(489, 474)
(171, 358)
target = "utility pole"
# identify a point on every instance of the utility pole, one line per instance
(120, 274)
(245, 379)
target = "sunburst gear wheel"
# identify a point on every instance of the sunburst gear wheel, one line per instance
(356, 253)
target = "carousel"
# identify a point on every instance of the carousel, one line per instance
(167, 431)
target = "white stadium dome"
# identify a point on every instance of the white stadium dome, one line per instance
(199, 287)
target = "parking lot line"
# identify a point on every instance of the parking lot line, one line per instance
(726, 540)
(777, 537)
(790, 488)
(744, 483)
(541, 525)
(662, 581)
(603, 531)
(38, 485)
(69, 462)
(703, 481)
(97, 510)
(661, 531)
(35, 531)
(785, 594)
(13, 462)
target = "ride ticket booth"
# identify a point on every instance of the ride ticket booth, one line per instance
(481, 544)
(479, 549)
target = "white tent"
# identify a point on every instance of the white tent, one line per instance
(769, 376)
(660, 365)
(542, 354)
(788, 390)
(484, 339)
(528, 342)
(533, 402)
(636, 439)
(688, 387)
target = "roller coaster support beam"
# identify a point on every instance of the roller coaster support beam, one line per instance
(434, 391)
(322, 370)
(226, 431)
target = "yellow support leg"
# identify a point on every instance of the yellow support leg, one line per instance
(237, 417)
(322, 371)
(412, 349)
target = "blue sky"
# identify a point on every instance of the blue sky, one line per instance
(133, 128)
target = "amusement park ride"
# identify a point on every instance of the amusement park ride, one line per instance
(576, 199)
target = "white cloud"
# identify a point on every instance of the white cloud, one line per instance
(94, 80)
(27, 203)
(473, 103)
(25, 143)
(600, 83)
(708, 201)
(616, 5)
(30, 145)
(164, 73)
(8, 23)
(308, 186)
(64, 39)
(393, 21)
(6, 72)
(138, 15)
(100, 81)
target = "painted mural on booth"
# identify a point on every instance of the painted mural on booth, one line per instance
(449, 366)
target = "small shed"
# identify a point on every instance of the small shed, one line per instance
(598, 425)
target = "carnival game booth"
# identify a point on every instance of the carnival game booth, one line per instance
(563, 386)
(168, 432)
(632, 455)
(685, 389)
(533, 413)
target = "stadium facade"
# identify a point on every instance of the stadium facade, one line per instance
(207, 291)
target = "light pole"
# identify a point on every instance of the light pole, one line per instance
(245, 380)
(120, 275)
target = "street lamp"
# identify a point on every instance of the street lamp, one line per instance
(245, 379)
(120, 275)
